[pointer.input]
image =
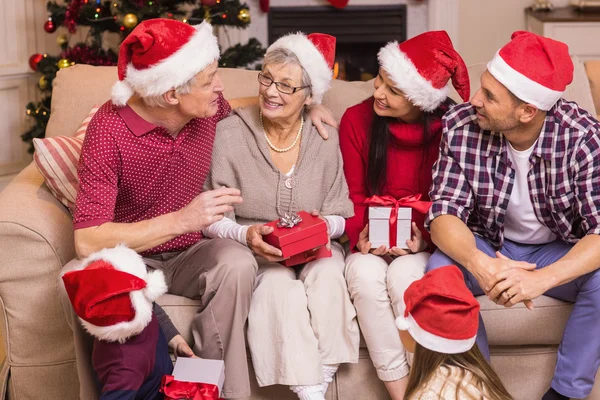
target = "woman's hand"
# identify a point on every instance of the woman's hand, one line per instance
(180, 347)
(316, 213)
(415, 244)
(320, 114)
(254, 240)
(364, 246)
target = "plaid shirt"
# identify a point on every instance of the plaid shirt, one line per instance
(473, 177)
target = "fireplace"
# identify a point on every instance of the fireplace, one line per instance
(360, 31)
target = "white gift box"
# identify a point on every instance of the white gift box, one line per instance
(379, 226)
(200, 370)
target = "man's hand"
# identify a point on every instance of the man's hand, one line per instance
(207, 208)
(180, 347)
(515, 285)
(320, 114)
(254, 240)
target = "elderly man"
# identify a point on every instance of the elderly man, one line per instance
(516, 198)
(144, 161)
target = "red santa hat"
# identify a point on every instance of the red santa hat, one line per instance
(161, 54)
(422, 66)
(112, 293)
(316, 53)
(441, 313)
(534, 68)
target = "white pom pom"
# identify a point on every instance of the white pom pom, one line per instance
(121, 92)
(155, 285)
(402, 323)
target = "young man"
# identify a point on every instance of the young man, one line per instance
(144, 161)
(516, 198)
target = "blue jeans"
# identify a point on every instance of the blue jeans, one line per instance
(579, 350)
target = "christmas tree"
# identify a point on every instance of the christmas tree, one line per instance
(117, 18)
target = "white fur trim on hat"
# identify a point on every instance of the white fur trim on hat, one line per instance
(177, 69)
(406, 77)
(431, 341)
(310, 59)
(121, 92)
(127, 260)
(521, 86)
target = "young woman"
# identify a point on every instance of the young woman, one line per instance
(389, 143)
(439, 326)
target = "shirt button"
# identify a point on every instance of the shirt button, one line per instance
(288, 183)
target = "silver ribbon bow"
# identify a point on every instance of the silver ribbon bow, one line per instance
(289, 220)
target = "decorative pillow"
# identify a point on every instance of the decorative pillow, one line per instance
(57, 159)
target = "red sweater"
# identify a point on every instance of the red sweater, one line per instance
(409, 163)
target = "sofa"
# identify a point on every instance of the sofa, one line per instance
(36, 240)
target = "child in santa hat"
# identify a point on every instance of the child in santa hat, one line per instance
(113, 295)
(439, 326)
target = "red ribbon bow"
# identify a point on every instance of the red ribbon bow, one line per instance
(413, 201)
(176, 390)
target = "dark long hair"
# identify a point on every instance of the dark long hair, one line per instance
(426, 362)
(380, 138)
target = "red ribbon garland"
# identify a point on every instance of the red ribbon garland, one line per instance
(176, 390)
(413, 202)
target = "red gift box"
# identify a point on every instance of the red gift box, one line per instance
(303, 243)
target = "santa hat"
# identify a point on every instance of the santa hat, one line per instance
(112, 293)
(441, 313)
(161, 54)
(422, 66)
(534, 68)
(316, 53)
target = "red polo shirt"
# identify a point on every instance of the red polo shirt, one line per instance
(131, 170)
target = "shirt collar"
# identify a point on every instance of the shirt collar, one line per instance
(136, 124)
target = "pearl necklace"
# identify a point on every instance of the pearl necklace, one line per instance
(277, 149)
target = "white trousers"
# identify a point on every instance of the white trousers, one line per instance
(377, 286)
(300, 320)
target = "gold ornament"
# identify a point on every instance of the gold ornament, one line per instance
(130, 21)
(62, 40)
(244, 15)
(63, 63)
(207, 16)
(43, 83)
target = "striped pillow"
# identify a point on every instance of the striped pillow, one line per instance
(57, 159)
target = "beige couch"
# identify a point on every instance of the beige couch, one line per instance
(36, 240)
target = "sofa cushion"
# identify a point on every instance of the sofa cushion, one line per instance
(57, 158)
(592, 69)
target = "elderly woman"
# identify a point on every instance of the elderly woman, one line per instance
(301, 324)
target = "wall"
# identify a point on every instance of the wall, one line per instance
(484, 26)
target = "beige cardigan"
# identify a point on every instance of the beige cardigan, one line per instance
(241, 159)
(443, 384)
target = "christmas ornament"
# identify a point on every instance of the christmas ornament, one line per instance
(130, 21)
(63, 63)
(244, 15)
(339, 3)
(208, 3)
(34, 60)
(264, 5)
(43, 83)
(50, 26)
(62, 40)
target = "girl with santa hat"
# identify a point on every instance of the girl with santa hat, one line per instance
(389, 143)
(439, 326)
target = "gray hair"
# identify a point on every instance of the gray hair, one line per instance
(283, 56)
(159, 100)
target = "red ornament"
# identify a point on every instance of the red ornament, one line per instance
(339, 3)
(208, 3)
(50, 26)
(34, 61)
(264, 5)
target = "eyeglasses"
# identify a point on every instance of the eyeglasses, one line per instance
(281, 87)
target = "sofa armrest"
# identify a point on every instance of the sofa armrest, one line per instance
(36, 240)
